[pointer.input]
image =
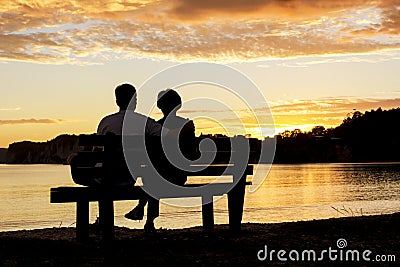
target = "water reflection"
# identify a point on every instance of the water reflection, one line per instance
(290, 193)
(310, 191)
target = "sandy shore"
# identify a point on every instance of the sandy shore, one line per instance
(57, 246)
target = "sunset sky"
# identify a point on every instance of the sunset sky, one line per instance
(314, 61)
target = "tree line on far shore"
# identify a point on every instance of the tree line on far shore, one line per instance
(372, 136)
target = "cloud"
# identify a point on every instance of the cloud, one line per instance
(91, 32)
(190, 9)
(329, 112)
(10, 109)
(31, 121)
(336, 104)
(377, 57)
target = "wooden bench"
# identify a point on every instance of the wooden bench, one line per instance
(105, 196)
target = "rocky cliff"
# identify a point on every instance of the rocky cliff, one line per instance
(54, 151)
(3, 152)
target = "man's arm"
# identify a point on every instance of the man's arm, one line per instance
(187, 130)
(155, 129)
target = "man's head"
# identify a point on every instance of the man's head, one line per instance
(124, 93)
(168, 101)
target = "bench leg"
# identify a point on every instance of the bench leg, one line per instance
(235, 205)
(208, 214)
(106, 217)
(82, 220)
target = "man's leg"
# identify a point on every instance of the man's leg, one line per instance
(153, 211)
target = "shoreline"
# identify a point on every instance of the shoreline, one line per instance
(57, 246)
(280, 163)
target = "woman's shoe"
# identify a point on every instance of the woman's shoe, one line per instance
(136, 214)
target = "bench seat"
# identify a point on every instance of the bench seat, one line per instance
(65, 194)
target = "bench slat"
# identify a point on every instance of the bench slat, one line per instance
(215, 170)
(81, 193)
(208, 171)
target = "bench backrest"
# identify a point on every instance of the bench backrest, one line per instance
(109, 159)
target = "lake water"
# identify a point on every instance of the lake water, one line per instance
(290, 193)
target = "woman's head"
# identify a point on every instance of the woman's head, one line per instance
(168, 101)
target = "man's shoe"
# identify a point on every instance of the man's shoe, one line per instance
(136, 214)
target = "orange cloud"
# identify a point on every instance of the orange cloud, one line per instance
(31, 121)
(203, 10)
(87, 32)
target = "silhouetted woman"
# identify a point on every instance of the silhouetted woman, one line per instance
(169, 102)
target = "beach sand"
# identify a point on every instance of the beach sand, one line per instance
(57, 246)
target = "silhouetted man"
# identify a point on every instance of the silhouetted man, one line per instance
(124, 94)
(136, 124)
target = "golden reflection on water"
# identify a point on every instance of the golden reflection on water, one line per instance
(312, 191)
(295, 184)
(289, 193)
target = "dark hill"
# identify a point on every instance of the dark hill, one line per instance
(372, 136)
(3, 152)
(368, 137)
(54, 151)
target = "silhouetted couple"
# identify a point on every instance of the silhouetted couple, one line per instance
(168, 102)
